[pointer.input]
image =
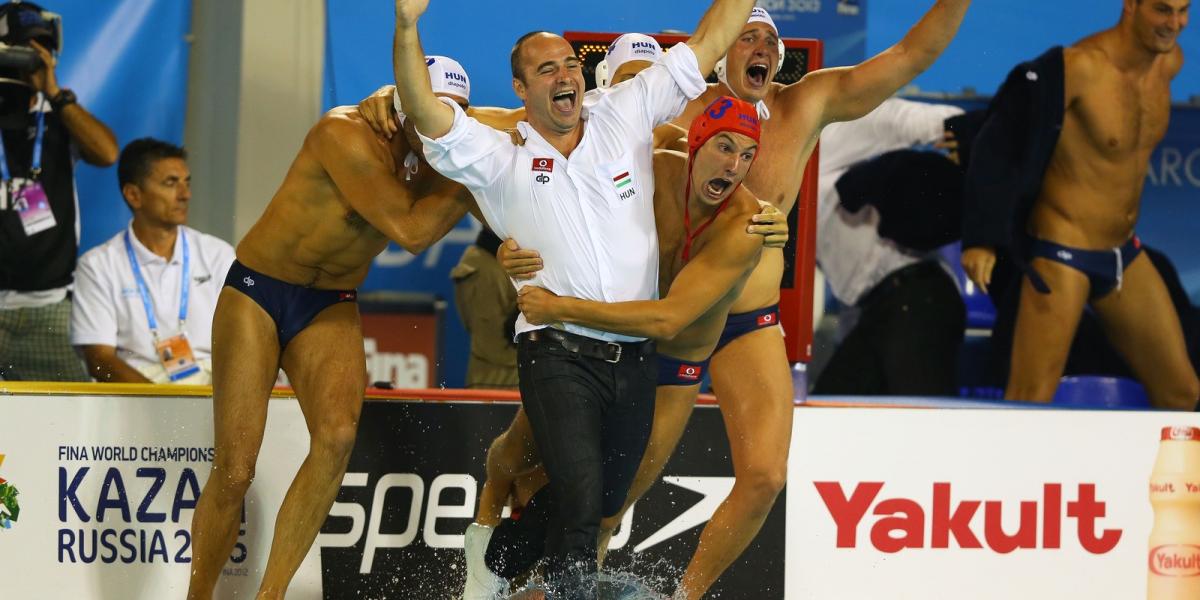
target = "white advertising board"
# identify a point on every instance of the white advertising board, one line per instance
(106, 487)
(979, 504)
(881, 503)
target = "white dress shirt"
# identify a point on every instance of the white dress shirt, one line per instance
(108, 309)
(850, 250)
(591, 216)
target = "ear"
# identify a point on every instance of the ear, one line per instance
(133, 195)
(519, 88)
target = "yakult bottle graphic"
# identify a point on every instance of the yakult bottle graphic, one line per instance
(1174, 569)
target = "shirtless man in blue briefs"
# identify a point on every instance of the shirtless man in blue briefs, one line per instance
(1109, 112)
(289, 301)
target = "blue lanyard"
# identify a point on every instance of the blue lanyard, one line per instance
(184, 287)
(36, 168)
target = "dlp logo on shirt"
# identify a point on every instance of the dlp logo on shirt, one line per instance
(624, 185)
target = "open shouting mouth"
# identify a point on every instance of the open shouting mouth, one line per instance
(564, 101)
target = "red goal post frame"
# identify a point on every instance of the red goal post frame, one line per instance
(796, 287)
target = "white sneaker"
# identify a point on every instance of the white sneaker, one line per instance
(482, 583)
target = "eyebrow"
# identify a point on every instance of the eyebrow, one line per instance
(728, 138)
(550, 63)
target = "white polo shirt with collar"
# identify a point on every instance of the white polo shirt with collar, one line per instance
(590, 216)
(108, 309)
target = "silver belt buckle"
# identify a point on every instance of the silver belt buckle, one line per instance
(617, 358)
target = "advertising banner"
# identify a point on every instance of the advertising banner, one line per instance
(127, 60)
(898, 503)
(97, 495)
(396, 529)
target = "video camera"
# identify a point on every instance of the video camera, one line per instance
(20, 23)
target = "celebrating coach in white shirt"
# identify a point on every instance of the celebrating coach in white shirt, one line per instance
(580, 190)
(144, 300)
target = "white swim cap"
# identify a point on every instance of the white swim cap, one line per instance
(760, 15)
(448, 77)
(628, 47)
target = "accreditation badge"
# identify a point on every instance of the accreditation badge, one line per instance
(175, 354)
(31, 204)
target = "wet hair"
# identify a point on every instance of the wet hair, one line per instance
(139, 156)
(514, 59)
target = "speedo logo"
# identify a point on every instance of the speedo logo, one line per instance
(1175, 560)
(905, 523)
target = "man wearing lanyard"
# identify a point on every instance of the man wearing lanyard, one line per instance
(39, 227)
(580, 189)
(144, 300)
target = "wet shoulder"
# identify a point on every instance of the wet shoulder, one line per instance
(736, 217)
(343, 134)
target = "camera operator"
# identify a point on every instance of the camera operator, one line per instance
(43, 129)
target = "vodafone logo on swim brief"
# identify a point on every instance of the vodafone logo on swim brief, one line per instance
(690, 372)
(767, 319)
(939, 521)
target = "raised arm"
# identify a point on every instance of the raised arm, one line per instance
(717, 30)
(701, 284)
(431, 117)
(96, 142)
(415, 217)
(851, 92)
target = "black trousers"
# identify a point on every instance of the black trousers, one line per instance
(906, 341)
(591, 419)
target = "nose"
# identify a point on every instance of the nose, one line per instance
(185, 191)
(732, 165)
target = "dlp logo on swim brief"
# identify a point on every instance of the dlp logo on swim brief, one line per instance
(247, 280)
(1064, 255)
(767, 319)
(690, 372)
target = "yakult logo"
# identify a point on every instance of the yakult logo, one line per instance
(1183, 433)
(902, 521)
(1175, 560)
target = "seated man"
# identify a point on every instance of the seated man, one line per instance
(144, 300)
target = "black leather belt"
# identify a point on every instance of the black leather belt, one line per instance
(488, 241)
(590, 347)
